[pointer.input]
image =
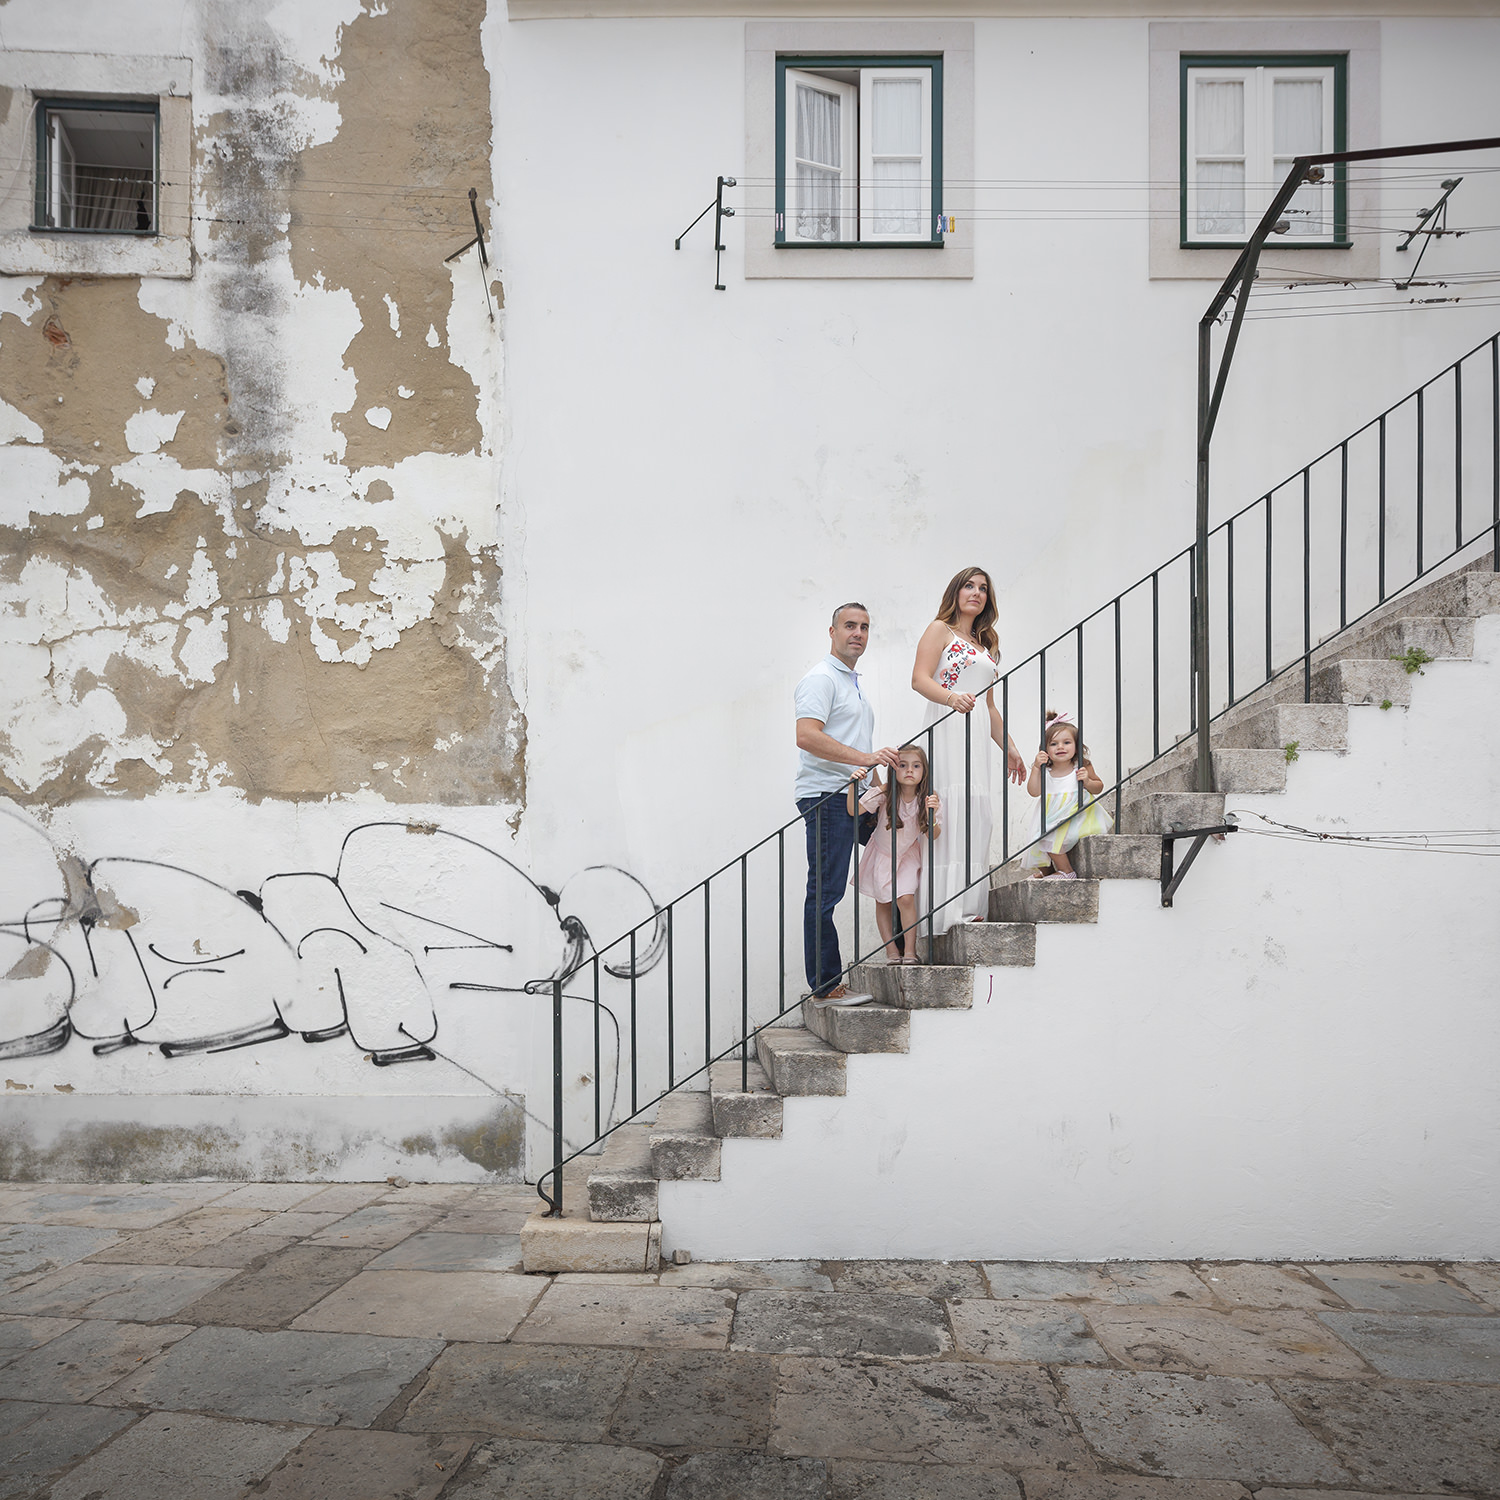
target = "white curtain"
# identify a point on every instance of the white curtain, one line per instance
(1219, 131)
(1297, 130)
(117, 199)
(896, 127)
(819, 163)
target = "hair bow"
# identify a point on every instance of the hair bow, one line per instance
(1061, 718)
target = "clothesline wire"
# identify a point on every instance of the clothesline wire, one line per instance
(1412, 841)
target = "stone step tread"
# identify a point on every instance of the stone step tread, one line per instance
(800, 1063)
(1046, 901)
(988, 944)
(920, 986)
(860, 1028)
(683, 1112)
(754, 1112)
(684, 1144)
(626, 1153)
(574, 1243)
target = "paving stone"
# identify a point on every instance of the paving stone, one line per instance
(695, 1399)
(19, 1336)
(946, 1413)
(141, 1294)
(1024, 1333)
(82, 1362)
(273, 1197)
(1203, 1427)
(840, 1324)
(1280, 1494)
(1423, 1348)
(1482, 1278)
(30, 1251)
(95, 1210)
(171, 1456)
(296, 1225)
(647, 1317)
(748, 1476)
(435, 1251)
(272, 1294)
(443, 1194)
(343, 1197)
(1246, 1341)
(1162, 1283)
(238, 1251)
(1393, 1287)
(514, 1470)
(468, 1220)
(857, 1481)
(1118, 1487)
(327, 1379)
(748, 1275)
(1036, 1281)
(918, 1278)
(537, 1392)
(346, 1464)
(519, 1196)
(37, 1441)
(1425, 1438)
(1255, 1284)
(170, 1244)
(379, 1226)
(608, 1278)
(476, 1306)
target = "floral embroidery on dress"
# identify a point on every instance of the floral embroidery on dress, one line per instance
(958, 655)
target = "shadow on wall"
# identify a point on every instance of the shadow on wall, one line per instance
(127, 952)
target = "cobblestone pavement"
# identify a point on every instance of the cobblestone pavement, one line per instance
(212, 1341)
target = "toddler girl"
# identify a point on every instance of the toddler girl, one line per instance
(1064, 762)
(914, 806)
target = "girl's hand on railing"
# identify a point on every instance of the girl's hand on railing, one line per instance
(961, 702)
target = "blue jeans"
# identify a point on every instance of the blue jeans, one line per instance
(830, 841)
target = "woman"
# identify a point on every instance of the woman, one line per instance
(963, 635)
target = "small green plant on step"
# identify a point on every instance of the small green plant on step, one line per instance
(1414, 658)
(1385, 703)
(1291, 751)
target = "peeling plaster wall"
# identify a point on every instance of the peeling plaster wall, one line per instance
(253, 628)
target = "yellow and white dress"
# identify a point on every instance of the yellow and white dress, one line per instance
(1067, 821)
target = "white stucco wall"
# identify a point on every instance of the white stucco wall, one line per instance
(1297, 1059)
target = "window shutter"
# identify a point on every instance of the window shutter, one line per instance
(821, 167)
(895, 134)
(1302, 125)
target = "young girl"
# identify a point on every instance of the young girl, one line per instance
(1064, 761)
(915, 805)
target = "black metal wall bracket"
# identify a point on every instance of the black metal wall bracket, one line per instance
(1199, 836)
(721, 211)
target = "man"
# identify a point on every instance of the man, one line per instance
(835, 733)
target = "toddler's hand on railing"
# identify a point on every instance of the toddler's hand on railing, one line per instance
(934, 802)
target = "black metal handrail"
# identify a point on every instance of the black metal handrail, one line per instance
(1384, 499)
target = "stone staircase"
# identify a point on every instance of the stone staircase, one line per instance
(807, 1054)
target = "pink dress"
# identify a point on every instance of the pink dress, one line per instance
(874, 878)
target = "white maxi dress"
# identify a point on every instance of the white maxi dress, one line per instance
(949, 872)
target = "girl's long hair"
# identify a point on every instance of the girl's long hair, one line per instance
(984, 622)
(924, 790)
(1054, 725)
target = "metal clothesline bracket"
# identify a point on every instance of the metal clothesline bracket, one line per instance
(720, 213)
(1199, 836)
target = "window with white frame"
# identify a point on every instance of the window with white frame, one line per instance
(96, 166)
(859, 151)
(1244, 120)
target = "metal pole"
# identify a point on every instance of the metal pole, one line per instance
(1205, 765)
(557, 1101)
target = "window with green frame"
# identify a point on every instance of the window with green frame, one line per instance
(1244, 117)
(96, 166)
(859, 151)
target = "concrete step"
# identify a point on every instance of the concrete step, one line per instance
(920, 986)
(738, 1112)
(1442, 638)
(575, 1243)
(860, 1028)
(1046, 901)
(1235, 770)
(988, 944)
(1310, 726)
(684, 1147)
(1475, 591)
(797, 1062)
(1118, 856)
(1358, 680)
(622, 1187)
(1162, 812)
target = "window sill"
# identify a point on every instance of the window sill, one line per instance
(1276, 244)
(119, 234)
(865, 245)
(62, 252)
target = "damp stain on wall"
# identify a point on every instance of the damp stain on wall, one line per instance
(217, 568)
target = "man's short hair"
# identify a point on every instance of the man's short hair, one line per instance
(852, 604)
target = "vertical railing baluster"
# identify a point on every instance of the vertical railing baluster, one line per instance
(708, 1004)
(557, 1101)
(1458, 456)
(856, 877)
(781, 921)
(1155, 665)
(1381, 490)
(1042, 694)
(1229, 609)
(1005, 719)
(1343, 533)
(598, 1104)
(1270, 647)
(671, 1007)
(1078, 665)
(1495, 453)
(634, 1050)
(1194, 664)
(891, 799)
(745, 973)
(1307, 585)
(968, 775)
(1421, 470)
(892, 808)
(817, 981)
(1119, 722)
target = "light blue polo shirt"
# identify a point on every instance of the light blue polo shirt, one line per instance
(831, 694)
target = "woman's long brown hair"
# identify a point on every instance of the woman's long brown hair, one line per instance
(984, 622)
